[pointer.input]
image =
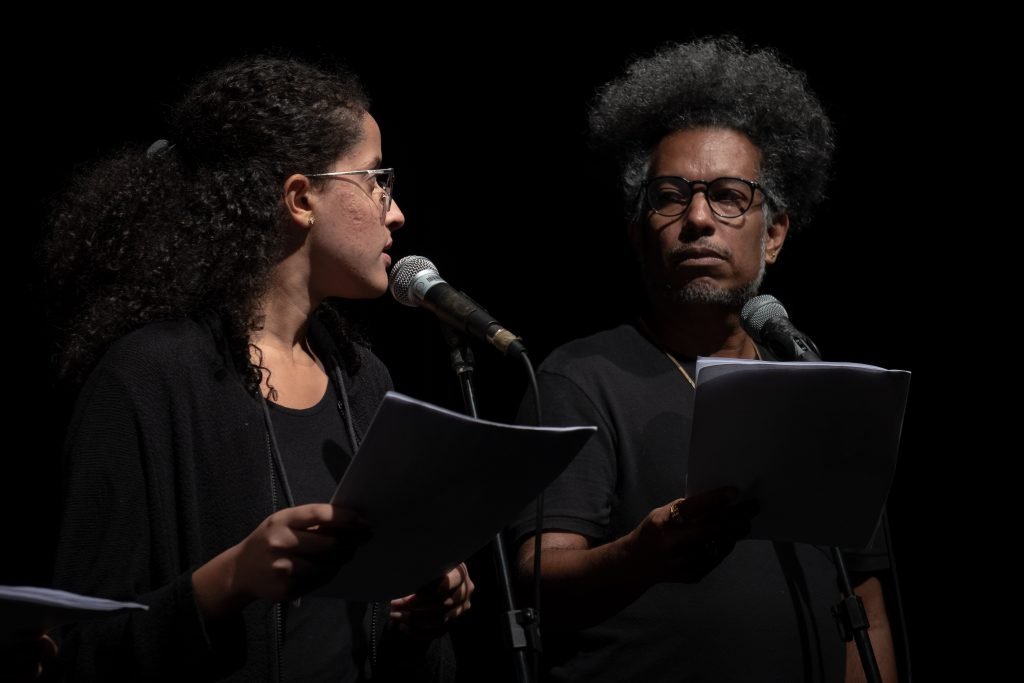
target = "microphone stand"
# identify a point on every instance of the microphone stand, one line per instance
(852, 620)
(520, 626)
(849, 613)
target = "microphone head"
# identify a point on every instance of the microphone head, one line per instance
(404, 273)
(758, 311)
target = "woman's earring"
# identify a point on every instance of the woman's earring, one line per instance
(311, 221)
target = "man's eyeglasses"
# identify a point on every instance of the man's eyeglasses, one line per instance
(384, 177)
(727, 197)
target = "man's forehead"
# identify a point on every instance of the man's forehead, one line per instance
(706, 150)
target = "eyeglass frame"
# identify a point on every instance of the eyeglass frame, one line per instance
(387, 188)
(752, 184)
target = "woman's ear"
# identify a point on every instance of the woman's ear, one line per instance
(299, 200)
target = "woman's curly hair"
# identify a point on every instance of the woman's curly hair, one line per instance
(195, 227)
(719, 83)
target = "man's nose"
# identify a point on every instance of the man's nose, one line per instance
(698, 219)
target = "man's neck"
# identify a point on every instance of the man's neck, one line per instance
(700, 330)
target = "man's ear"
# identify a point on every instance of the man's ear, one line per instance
(634, 233)
(777, 232)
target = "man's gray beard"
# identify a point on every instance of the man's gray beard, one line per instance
(708, 294)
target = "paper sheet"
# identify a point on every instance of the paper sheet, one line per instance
(435, 487)
(33, 610)
(814, 443)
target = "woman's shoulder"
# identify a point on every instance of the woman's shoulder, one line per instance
(164, 347)
(151, 370)
(370, 364)
(359, 361)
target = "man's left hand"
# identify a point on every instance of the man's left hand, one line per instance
(427, 612)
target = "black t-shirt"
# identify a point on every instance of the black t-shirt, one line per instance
(761, 615)
(315, 451)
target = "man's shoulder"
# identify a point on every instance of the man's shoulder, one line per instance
(603, 346)
(611, 355)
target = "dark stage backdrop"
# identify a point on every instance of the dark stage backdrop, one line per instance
(494, 177)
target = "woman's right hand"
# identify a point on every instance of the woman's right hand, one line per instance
(290, 553)
(26, 657)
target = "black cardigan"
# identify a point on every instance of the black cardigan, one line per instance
(167, 465)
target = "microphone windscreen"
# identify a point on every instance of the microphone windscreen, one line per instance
(758, 311)
(402, 275)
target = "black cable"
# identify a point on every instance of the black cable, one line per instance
(897, 593)
(538, 530)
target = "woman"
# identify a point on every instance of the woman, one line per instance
(210, 432)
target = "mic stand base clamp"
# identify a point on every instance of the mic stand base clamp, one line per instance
(522, 630)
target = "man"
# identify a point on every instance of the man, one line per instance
(723, 151)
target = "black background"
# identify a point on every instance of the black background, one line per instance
(486, 128)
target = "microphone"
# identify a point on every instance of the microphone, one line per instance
(416, 282)
(765, 319)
